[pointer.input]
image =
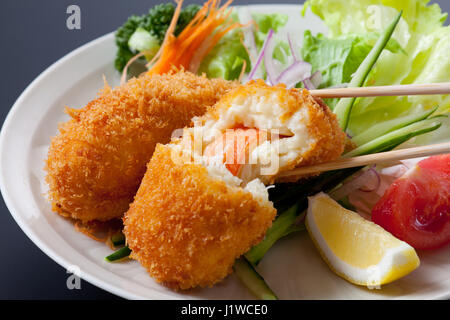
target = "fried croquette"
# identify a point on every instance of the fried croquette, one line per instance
(96, 162)
(188, 228)
(308, 131)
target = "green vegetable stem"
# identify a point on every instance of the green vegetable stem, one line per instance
(119, 254)
(344, 106)
(118, 239)
(253, 280)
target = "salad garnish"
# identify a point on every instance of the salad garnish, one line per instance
(188, 49)
(145, 33)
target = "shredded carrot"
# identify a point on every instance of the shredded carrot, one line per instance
(197, 39)
(123, 79)
(244, 67)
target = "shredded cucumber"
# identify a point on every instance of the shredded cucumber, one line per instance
(119, 254)
(344, 106)
(278, 229)
(294, 228)
(253, 280)
(395, 137)
(142, 41)
(391, 125)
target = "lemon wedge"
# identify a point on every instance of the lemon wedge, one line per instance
(356, 249)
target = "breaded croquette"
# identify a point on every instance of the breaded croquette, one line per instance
(212, 205)
(188, 227)
(96, 163)
(308, 130)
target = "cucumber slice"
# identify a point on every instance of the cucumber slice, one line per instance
(388, 126)
(293, 229)
(119, 254)
(253, 280)
(142, 41)
(345, 105)
(395, 137)
(278, 229)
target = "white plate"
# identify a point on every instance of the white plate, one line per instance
(292, 268)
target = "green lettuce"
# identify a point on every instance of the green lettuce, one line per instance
(265, 22)
(339, 58)
(336, 59)
(143, 41)
(420, 34)
(227, 58)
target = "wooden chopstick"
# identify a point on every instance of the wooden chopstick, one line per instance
(397, 90)
(395, 155)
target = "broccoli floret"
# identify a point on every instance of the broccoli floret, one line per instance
(155, 22)
(158, 19)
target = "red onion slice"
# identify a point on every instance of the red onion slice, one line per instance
(358, 182)
(372, 177)
(316, 79)
(248, 31)
(268, 58)
(296, 72)
(291, 46)
(308, 84)
(260, 57)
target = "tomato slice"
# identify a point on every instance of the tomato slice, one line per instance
(234, 147)
(416, 207)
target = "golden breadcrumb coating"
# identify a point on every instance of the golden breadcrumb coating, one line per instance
(330, 139)
(96, 163)
(187, 228)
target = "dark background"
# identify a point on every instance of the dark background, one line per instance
(34, 35)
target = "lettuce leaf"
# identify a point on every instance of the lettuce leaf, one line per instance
(142, 40)
(336, 59)
(420, 33)
(227, 58)
(265, 22)
(339, 58)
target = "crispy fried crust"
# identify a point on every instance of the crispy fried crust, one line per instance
(187, 228)
(330, 140)
(97, 161)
